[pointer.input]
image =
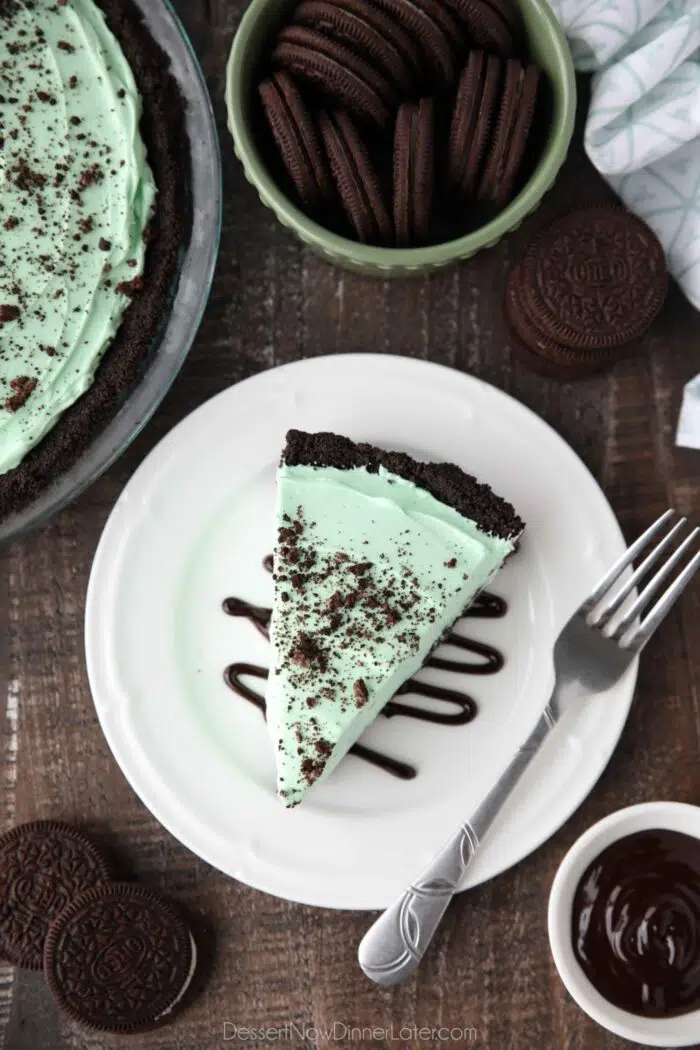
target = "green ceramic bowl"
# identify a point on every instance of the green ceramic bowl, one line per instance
(549, 49)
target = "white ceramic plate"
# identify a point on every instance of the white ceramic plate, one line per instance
(192, 527)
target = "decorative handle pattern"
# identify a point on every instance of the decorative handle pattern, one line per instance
(394, 945)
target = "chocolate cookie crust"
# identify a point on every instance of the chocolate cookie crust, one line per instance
(445, 481)
(163, 131)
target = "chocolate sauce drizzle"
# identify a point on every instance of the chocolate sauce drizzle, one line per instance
(258, 615)
(485, 606)
(234, 676)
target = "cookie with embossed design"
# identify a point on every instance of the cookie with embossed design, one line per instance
(539, 352)
(294, 130)
(520, 133)
(595, 279)
(486, 25)
(439, 35)
(509, 12)
(356, 178)
(370, 32)
(441, 15)
(414, 172)
(472, 121)
(510, 133)
(120, 959)
(336, 71)
(43, 866)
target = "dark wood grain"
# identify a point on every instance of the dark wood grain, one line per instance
(268, 962)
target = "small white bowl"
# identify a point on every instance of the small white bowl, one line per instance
(666, 1032)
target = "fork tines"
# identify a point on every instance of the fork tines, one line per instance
(675, 546)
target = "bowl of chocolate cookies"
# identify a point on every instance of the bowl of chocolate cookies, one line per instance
(399, 136)
(109, 232)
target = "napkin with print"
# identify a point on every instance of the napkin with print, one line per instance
(643, 127)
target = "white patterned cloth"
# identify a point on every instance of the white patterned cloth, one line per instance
(643, 127)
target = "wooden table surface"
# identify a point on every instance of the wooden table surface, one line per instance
(268, 962)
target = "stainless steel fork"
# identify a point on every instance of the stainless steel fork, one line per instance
(592, 652)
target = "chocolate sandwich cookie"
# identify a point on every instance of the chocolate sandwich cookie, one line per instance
(595, 279)
(538, 351)
(472, 120)
(336, 71)
(509, 13)
(437, 34)
(505, 183)
(43, 865)
(356, 179)
(294, 131)
(119, 959)
(414, 168)
(511, 133)
(485, 25)
(464, 117)
(369, 32)
(442, 16)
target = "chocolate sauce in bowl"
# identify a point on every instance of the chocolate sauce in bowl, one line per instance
(456, 708)
(636, 923)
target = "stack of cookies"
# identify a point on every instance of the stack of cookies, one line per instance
(117, 957)
(587, 288)
(400, 123)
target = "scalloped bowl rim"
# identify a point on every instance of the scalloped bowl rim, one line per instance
(342, 248)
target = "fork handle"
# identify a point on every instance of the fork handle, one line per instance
(394, 945)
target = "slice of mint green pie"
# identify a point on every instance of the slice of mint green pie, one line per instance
(377, 555)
